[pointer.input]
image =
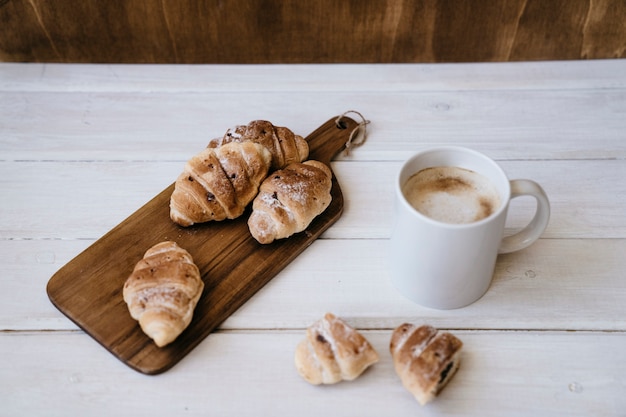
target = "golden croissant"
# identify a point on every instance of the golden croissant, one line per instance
(218, 183)
(424, 358)
(289, 199)
(285, 146)
(162, 292)
(333, 351)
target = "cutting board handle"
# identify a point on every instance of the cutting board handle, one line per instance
(330, 139)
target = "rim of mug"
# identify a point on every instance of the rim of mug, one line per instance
(505, 196)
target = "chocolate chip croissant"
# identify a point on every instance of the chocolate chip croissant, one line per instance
(333, 351)
(162, 292)
(219, 183)
(424, 358)
(289, 199)
(285, 146)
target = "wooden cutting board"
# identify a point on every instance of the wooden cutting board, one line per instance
(234, 266)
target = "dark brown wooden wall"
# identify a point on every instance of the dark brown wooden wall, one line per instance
(310, 31)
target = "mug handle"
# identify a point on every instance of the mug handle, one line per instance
(537, 225)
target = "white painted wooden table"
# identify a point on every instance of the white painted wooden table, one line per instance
(84, 146)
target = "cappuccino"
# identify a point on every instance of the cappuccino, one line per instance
(452, 194)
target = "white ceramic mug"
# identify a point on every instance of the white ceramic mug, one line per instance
(443, 265)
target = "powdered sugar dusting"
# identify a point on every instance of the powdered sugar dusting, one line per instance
(402, 339)
(296, 191)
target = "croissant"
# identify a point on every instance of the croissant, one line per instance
(289, 199)
(162, 292)
(285, 146)
(425, 359)
(219, 183)
(333, 351)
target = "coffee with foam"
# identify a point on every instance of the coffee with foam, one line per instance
(452, 194)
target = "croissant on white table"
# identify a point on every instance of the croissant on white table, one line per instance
(289, 200)
(424, 358)
(163, 291)
(218, 183)
(333, 351)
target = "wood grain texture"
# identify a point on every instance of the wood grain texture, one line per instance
(250, 373)
(349, 277)
(41, 78)
(83, 146)
(324, 31)
(232, 264)
(71, 206)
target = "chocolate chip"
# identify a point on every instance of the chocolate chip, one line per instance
(445, 372)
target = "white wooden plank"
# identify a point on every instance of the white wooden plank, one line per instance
(541, 287)
(559, 284)
(71, 200)
(82, 147)
(578, 124)
(251, 374)
(25, 268)
(312, 78)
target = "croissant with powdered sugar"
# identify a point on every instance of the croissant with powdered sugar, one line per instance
(285, 146)
(333, 351)
(218, 183)
(424, 358)
(163, 291)
(289, 199)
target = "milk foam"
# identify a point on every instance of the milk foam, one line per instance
(452, 194)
